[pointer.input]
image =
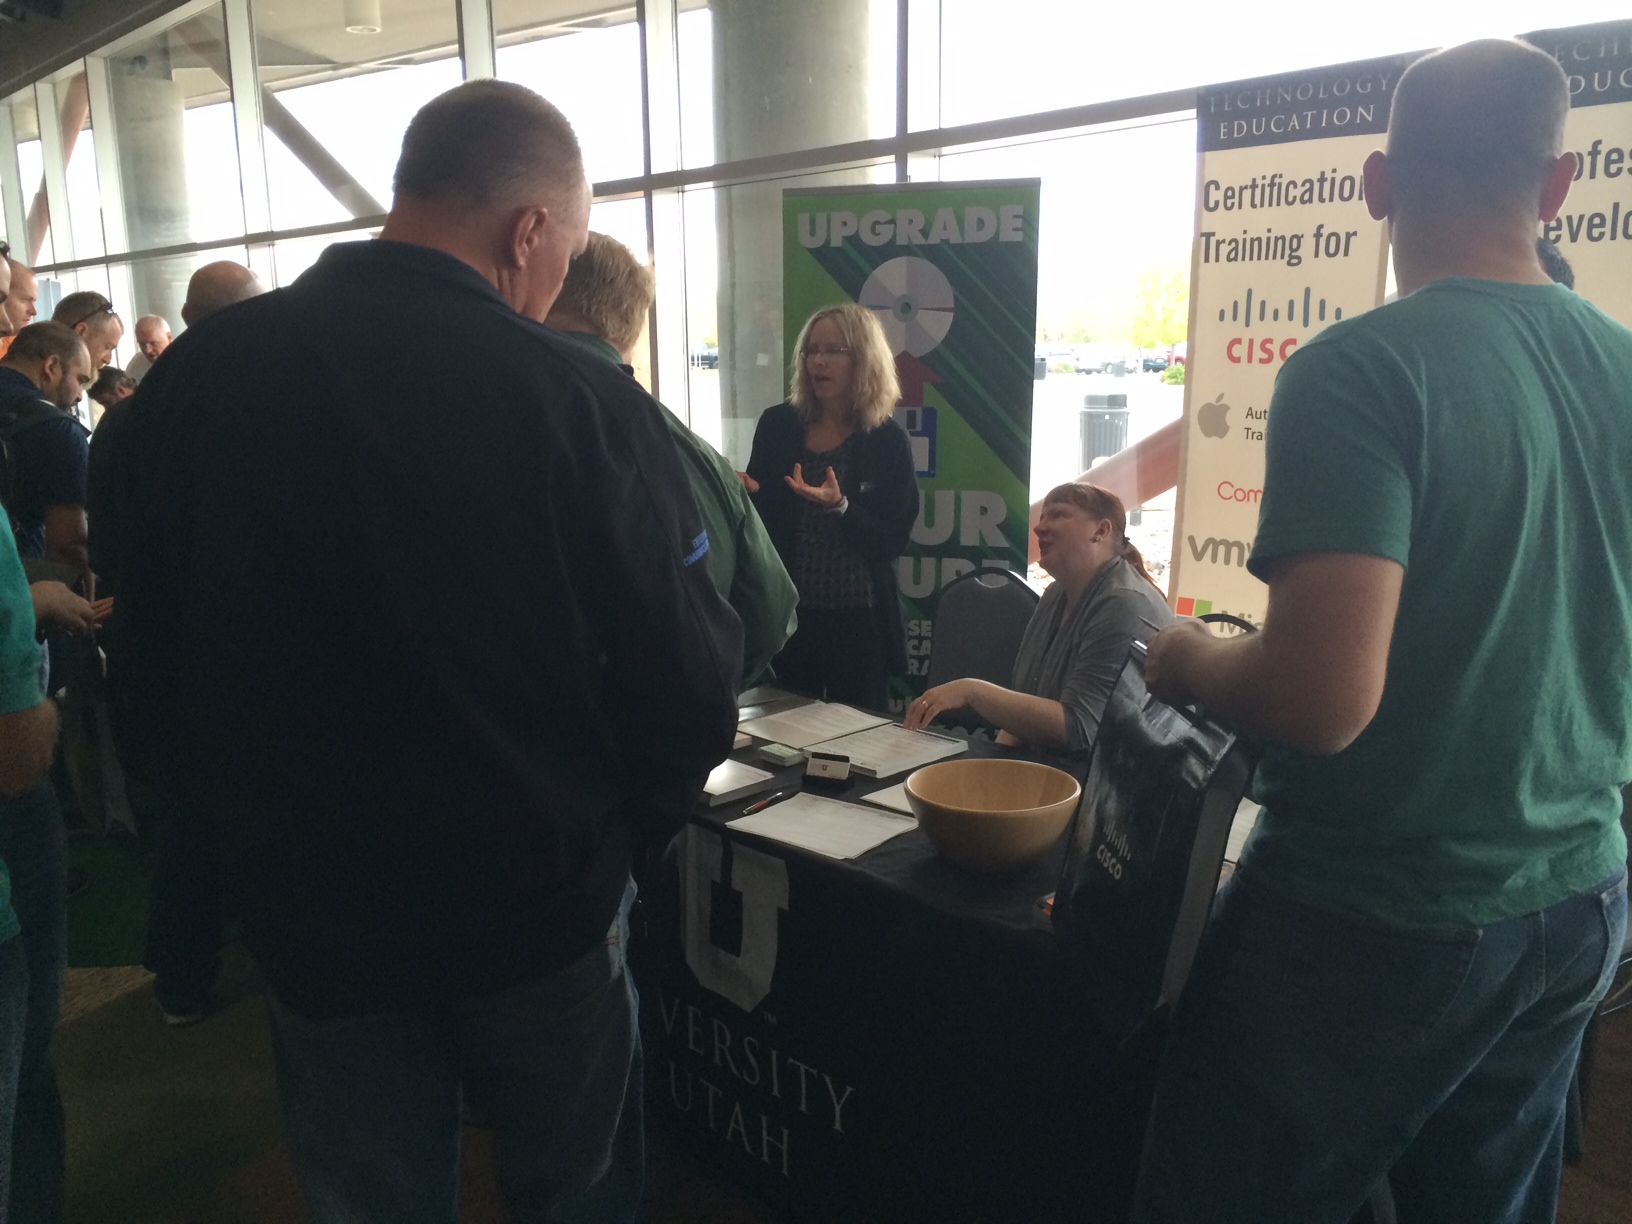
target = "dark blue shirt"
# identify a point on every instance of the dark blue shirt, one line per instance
(48, 466)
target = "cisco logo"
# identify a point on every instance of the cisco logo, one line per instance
(1219, 552)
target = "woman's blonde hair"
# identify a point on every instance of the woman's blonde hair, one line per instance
(872, 366)
(1101, 503)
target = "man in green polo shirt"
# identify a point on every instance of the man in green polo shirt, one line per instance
(602, 308)
(1434, 899)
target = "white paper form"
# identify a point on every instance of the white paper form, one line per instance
(889, 749)
(824, 826)
(810, 724)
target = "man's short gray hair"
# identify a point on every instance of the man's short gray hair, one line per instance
(492, 144)
(1473, 128)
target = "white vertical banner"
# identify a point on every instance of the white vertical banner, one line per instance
(1594, 230)
(1284, 247)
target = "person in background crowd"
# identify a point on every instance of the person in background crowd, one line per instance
(832, 475)
(1554, 264)
(96, 323)
(49, 359)
(152, 338)
(1101, 601)
(111, 386)
(478, 695)
(603, 306)
(42, 377)
(216, 286)
(7, 328)
(18, 296)
(18, 308)
(1396, 979)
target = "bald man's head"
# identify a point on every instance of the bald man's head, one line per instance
(152, 336)
(215, 287)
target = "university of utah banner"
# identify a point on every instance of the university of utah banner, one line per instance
(1284, 246)
(951, 272)
(1594, 230)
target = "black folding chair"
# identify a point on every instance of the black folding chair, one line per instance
(979, 621)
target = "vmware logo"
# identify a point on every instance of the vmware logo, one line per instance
(1219, 552)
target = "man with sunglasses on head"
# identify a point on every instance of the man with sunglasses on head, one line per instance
(96, 323)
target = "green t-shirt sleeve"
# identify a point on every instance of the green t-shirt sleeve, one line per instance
(19, 654)
(1338, 463)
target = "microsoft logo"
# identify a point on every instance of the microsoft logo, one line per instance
(1194, 607)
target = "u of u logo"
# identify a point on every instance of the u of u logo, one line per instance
(744, 977)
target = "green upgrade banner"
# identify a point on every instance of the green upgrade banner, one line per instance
(951, 272)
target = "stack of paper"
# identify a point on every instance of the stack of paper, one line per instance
(824, 826)
(889, 749)
(810, 724)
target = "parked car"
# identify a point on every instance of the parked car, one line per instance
(706, 358)
(1153, 365)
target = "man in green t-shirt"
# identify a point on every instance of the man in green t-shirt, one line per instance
(602, 308)
(1397, 980)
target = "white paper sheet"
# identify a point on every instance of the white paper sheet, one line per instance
(881, 751)
(892, 797)
(825, 826)
(810, 724)
(1246, 816)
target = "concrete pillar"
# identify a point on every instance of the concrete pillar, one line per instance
(149, 127)
(786, 77)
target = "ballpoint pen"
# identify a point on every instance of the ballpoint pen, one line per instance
(765, 802)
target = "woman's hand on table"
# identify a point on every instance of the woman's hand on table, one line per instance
(956, 695)
(826, 495)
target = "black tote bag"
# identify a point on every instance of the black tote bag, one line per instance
(1145, 850)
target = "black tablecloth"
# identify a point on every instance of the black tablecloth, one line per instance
(889, 1038)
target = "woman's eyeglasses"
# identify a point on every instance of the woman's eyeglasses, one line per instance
(830, 351)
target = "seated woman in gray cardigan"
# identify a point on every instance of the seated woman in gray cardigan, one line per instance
(1102, 599)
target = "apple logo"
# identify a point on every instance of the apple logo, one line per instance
(1211, 418)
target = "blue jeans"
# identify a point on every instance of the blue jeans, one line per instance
(1311, 1055)
(372, 1103)
(34, 847)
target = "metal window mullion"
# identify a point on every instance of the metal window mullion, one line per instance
(56, 170)
(665, 228)
(105, 127)
(244, 71)
(11, 184)
(478, 45)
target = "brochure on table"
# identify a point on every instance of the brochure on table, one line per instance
(809, 724)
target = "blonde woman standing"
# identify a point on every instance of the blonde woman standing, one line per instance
(833, 478)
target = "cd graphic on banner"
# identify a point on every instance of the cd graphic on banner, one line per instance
(912, 298)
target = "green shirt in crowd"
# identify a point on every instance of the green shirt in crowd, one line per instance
(19, 674)
(748, 572)
(1480, 434)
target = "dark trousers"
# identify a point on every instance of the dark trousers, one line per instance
(34, 848)
(1312, 1054)
(184, 911)
(836, 654)
(371, 1104)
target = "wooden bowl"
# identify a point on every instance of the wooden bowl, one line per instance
(994, 815)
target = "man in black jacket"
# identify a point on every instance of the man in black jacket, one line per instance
(440, 661)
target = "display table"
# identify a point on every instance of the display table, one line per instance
(888, 1038)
